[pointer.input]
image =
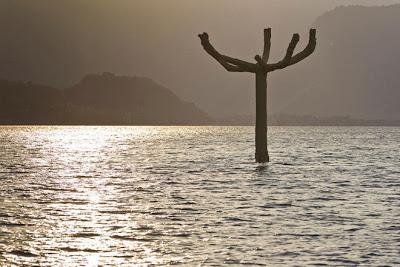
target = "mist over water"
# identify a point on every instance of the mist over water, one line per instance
(193, 195)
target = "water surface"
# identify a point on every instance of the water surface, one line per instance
(108, 196)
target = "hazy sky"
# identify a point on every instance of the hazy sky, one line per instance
(57, 42)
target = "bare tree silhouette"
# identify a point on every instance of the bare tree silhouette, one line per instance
(261, 69)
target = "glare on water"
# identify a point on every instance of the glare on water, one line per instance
(91, 196)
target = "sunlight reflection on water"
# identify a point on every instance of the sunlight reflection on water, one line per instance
(192, 195)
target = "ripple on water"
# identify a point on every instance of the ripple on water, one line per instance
(81, 196)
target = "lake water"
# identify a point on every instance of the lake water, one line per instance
(107, 196)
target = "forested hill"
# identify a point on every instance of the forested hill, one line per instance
(97, 100)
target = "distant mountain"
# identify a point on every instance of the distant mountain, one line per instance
(146, 101)
(354, 71)
(97, 99)
(27, 103)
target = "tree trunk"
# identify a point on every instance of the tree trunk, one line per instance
(261, 68)
(261, 117)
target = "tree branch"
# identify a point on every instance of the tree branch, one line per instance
(289, 59)
(267, 45)
(310, 48)
(229, 63)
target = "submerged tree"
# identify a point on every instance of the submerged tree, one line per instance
(261, 69)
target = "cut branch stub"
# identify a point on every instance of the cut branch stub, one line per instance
(229, 63)
(292, 46)
(267, 45)
(310, 48)
(289, 59)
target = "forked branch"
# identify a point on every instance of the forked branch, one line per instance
(289, 59)
(267, 45)
(229, 63)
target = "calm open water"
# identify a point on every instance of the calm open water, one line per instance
(107, 196)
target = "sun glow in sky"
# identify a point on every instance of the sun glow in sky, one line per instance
(152, 38)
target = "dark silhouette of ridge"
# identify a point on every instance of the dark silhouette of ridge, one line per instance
(145, 101)
(104, 99)
(27, 103)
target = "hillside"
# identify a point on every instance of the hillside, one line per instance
(354, 70)
(27, 103)
(97, 99)
(146, 101)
